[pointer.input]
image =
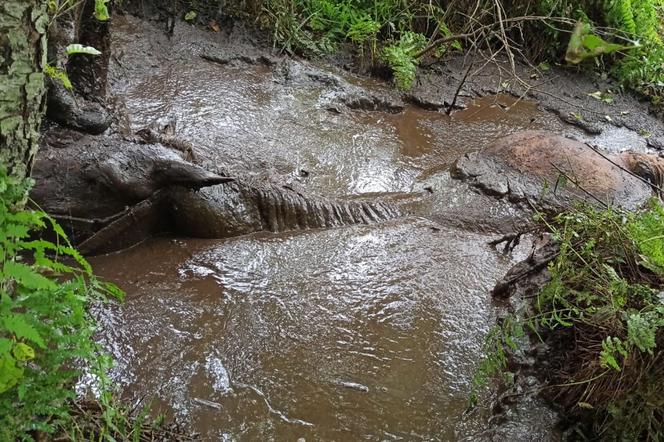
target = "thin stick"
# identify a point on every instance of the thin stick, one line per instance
(441, 41)
(596, 150)
(576, 183)
(479, 30)
(458, 91)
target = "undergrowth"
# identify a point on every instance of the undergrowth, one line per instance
(627, 22)
(602, 317)
(390, 31)
(379, 30)
(46, 333)
(401, 57)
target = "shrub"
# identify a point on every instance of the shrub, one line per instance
(623, 21)
(401, 57)
(318, 27)
(392, 29)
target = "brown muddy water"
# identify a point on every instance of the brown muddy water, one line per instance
(358, 333)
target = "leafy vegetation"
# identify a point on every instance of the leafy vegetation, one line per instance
(59, 75)
(401, 57)
(389, 31)
(602, 316)
(584, 45)
(45, 329)
(634, 24)
(627, 33)
(46, 333)
(648, 233)
(57, 8)
(101, 10)
(77, 48)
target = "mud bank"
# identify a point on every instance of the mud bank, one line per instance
(622, 123)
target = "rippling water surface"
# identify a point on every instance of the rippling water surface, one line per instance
(365, 331)
(359, 333)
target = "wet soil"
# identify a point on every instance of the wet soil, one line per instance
(621, 122)
(362, 332)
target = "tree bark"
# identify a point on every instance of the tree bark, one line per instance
(23, 25)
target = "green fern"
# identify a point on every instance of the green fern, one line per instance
(620, 14)
(401, 58)
(603, 304)
(45, 329)
(642, 332)
(647, 228)
(612, 349)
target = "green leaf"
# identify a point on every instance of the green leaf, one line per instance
(17, 325)
(641, 333)
(77, 48)
(611, 347)
(113, 290)
(25, 276)
(544, 66)
(9, 373)
(16, 231)
(190, 16)
(101, 10)
(583, 45)
(401, 58)
(23, 352)
(5, 346)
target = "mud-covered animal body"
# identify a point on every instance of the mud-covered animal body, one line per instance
(114, 195)
(241, 207)
(554, 171)
(153, 186)
(648, 167)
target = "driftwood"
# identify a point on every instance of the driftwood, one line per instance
(536, 262)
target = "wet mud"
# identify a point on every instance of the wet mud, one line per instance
(343, 333)
(621, 122)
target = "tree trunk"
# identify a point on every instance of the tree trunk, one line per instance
(23, 26)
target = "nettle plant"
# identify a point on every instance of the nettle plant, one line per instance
(46, 331)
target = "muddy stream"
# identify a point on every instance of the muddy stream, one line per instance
(356, 333)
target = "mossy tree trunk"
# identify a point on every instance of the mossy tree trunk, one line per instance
(23, 41)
